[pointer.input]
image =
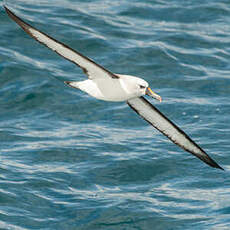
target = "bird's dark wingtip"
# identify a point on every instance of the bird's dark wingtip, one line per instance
(217, 166)
(10, 13)
(212, 163)
(6, 9)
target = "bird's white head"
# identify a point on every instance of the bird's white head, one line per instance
(144, 89)
(137, 86)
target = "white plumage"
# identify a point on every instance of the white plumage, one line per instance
(112, 89)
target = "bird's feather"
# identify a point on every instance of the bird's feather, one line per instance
(152, 115)
(89, 67)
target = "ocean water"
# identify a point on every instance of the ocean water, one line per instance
(69, 161)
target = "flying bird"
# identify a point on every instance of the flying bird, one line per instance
(105, 85)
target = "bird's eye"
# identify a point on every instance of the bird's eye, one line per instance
(142, 87)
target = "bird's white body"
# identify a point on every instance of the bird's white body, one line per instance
(109, 89)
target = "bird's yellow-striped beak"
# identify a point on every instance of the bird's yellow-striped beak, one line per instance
(150, 93)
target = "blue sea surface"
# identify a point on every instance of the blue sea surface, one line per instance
(69, 161)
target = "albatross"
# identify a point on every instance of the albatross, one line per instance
(105, 85)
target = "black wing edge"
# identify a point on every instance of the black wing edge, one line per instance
(24, 26)
(206, 158)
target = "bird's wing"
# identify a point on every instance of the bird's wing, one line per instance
(92, 69)
(152, 115)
